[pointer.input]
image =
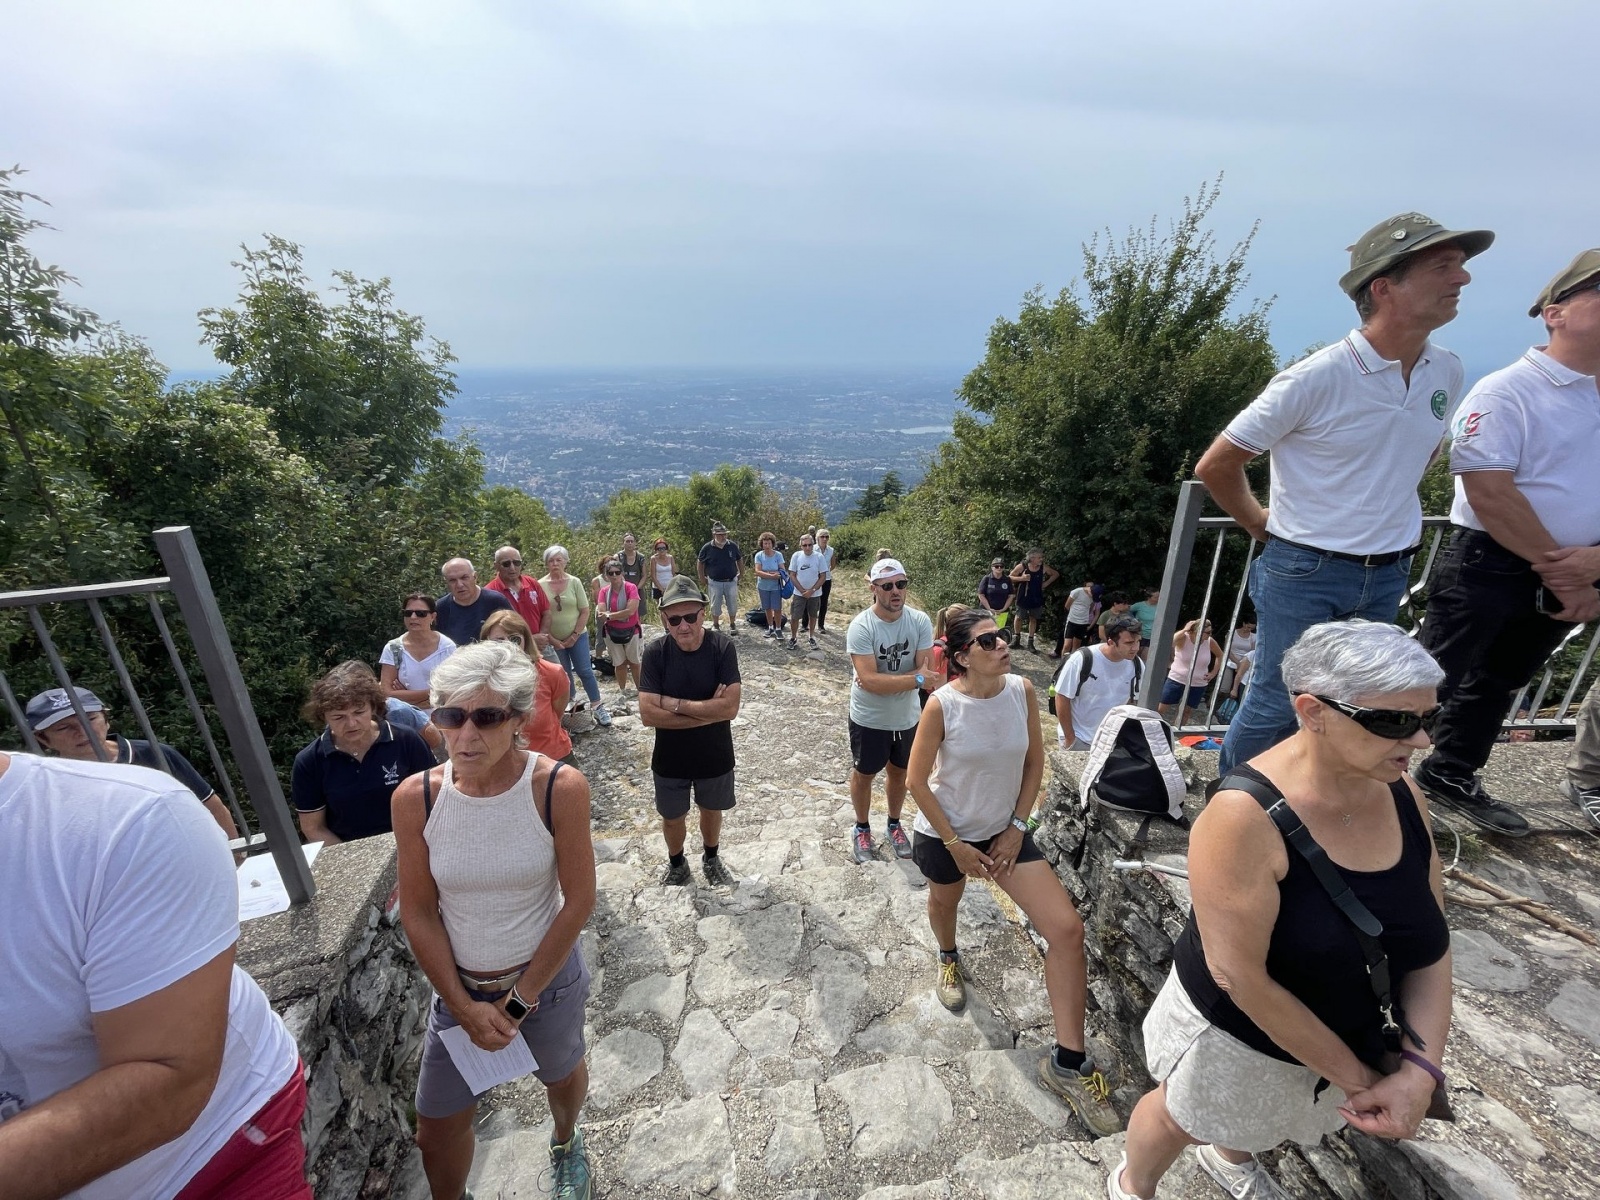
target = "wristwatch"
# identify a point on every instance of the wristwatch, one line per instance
(517, 1008)
(1019, 824)
(921, 680)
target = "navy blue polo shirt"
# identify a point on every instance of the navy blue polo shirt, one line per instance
(356, 794)
(141, 753)
(461, 623)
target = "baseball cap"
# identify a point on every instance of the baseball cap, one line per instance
(682, 590)
(49, 708)
(1581, 270)
(1385, 244)
(998, 562)
(885, 568)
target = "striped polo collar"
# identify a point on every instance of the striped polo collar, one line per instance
(1557, 373)
(1369, 362)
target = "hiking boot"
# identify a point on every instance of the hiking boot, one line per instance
(733, 630)
(899, 840)
(1471, 801)
(948, 985)
(1587, 799)
(602, 716)
(1242, 1181)
(569, 1163)
(861, 845)
(716, 872)
(1086, 1091)
(677, 874)
(1031, 646)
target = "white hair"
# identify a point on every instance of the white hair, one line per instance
(498, 667)
(1356, 659)
(551, 551)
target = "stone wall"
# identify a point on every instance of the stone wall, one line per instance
(342, 977)
(1131, 920)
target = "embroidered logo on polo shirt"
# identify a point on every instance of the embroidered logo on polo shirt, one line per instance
(1467, 426)
(391, 774)
(1440, 400)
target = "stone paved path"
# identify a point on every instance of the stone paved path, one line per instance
(781, 1039)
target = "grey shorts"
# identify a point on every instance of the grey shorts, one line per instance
(554, 1034)
(672, 795)
(723, 594)
(803, 608)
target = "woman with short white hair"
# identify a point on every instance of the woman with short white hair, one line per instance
(567, 623)
(1271, 1027)
(496, 881)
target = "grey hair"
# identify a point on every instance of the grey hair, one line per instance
(551, 551)
(1358, 660)
(499, 667)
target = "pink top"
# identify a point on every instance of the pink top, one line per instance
(608, 601)
(1183, 658)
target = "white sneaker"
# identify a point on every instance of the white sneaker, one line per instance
(601, 716)
(1245, 1181)
(1114, 1188)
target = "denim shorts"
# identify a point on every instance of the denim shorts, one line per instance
(554, 1033)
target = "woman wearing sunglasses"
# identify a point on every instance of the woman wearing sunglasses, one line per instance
(406, 664)
(975, 769)
(1269, 1027)
(496, 882)
(543, 730)
(662, 568)
(616, 604)
(569, 626)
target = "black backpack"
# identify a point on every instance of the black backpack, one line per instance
(1132, 765)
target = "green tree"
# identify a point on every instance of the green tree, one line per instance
(1090, 409)
(878, 498)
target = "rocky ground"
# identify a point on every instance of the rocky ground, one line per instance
(781, 1039)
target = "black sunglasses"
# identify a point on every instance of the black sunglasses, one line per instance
(988, 641)
(416, 612)
(690, 617)
(483, 718)
(897, 585)
(509, 562)
(612, 571)
(1395, 724)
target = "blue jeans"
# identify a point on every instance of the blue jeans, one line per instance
(1292, 590)
(575, 661)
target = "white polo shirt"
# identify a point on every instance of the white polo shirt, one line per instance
(1349, 442)
(1540, 421)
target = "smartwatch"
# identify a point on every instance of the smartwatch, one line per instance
(921, 680)
(517, 1008)
(1019, 824)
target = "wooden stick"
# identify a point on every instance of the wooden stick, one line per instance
(1536, 910)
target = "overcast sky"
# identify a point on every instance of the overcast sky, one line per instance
(631, 183)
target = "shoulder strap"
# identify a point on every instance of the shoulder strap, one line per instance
(1138, 674)
(1085, 669)
(427, 794)
(549, 791)
(1367, 927)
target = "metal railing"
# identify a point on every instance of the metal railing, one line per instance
(1535, 707)
(187, 583)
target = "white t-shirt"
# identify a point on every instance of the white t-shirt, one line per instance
(807, 570)
(1108, 686)
(895, 645)
(1350, 441)
(827, 561)
(1082, 606)
(1540, 421)
(119, 885)
(414, 674)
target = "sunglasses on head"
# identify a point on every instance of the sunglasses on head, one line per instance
(894, 585)
(483, 718)
(690, 617)
(1394, 723)
(988, 641)
(419, 613)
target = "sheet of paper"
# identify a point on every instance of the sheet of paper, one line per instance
(484, 1069)
(261, 890)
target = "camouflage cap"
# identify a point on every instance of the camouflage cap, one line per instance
(1385, 244)
(1581, 270)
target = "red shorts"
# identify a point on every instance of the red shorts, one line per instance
(265, 1159)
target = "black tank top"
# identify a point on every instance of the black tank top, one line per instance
(1314, 954)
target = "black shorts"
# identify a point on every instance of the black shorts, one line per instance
(873, 749)
(672, 795)
(1077, 631)
(933, 857)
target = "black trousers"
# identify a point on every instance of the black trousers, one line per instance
(1484, 630)
(822, 608)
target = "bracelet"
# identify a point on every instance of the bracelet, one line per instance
(1411, 1056)
(953, 840)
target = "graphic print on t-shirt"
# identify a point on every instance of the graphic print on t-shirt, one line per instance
(892, 654)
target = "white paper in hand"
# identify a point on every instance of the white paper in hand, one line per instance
(484, 1069)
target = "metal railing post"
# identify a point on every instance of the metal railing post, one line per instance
(192, 587)
(1180, 554)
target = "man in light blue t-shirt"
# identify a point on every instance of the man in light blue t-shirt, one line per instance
(889, 646)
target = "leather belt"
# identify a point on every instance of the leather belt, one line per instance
(495, 983)
(1364, 560)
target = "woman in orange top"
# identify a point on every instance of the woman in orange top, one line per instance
(543, 731)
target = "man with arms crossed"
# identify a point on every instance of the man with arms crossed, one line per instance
(889, 646)
(721, 563)
(136, 1060)
(689, 694)
(1351, 429)
(462, 610)
(1113, 679)
(1524, 551)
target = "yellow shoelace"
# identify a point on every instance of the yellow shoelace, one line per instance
(950, 974)
(1096, 1085)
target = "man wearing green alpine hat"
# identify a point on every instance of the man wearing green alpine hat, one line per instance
(1524, 551)
(1350, 429)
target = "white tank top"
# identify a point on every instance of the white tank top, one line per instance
(664, 573)
(978, 771)
(494, 863)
